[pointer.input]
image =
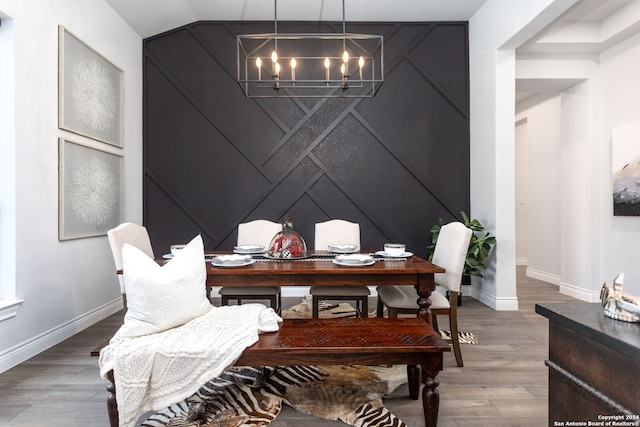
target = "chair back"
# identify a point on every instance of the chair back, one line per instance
(133, 234)
(450, 253)
(336, 232)
(257, 232)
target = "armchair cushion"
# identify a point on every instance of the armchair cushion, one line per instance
(163, 297)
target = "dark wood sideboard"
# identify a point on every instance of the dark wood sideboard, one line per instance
(594, 366)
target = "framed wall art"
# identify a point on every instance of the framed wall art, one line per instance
(91, 92)
(90, 191)
(625, 165)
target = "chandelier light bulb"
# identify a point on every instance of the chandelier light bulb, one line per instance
(327, 64)
(345, 64)
(259, 66)
(361, 62)
(277, 68)
(274, 61)
(293, 68)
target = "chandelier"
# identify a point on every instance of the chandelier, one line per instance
(321, 65)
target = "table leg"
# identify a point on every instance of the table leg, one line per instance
(413, 377)
(430, 394)
(424, 287)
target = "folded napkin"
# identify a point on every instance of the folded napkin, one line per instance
(354, 258)
(342, 247)
(232, 259)
(249, 248)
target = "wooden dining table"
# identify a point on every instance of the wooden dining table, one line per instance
(319, 270)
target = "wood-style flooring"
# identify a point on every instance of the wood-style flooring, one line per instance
(503, 381)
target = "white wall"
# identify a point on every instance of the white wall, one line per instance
(66, 285)
(579, 237)
(541, 165)
(522, 197)
(619, 250)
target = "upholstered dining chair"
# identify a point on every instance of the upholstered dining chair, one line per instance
(257, 232)
(338, 231)
(450, 253)
(133, 234)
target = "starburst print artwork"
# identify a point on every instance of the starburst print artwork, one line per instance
(93, 94)
(93, 194)
(91, 188)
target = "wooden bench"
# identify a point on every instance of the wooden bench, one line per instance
(352, 341)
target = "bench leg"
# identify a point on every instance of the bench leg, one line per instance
(430, 394)
(413, 378)
(112, 404)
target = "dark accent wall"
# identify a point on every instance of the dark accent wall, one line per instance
(394, 163)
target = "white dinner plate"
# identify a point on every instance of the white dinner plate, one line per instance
(404, 255)
(343, 249)
(354, 264)
(230, 264)
(249, 249)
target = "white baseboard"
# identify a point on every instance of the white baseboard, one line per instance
(554, 279)
(580, 293)
(522, 261)
(564, 288)
(27, 349)
(500, 304)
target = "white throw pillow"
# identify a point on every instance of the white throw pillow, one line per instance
(163, 297)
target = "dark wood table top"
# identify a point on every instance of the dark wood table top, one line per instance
(325, 266)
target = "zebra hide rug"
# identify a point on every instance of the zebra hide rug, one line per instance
(245, 396)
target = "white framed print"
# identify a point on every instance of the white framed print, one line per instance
(90, 191)
(90, 92)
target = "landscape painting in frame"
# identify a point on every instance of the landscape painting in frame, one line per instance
(90, 191)
(91, 92)
(625, 160)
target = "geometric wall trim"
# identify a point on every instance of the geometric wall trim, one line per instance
(394, 163)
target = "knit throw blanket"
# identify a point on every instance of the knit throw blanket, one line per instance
(154, 371)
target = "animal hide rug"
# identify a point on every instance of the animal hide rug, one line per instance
(245, 396)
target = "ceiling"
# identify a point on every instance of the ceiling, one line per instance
(583, 31)
(586, 29)
(151, 17)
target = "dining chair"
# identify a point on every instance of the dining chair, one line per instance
(133, 234)
(257, 232)
(332, 232)
(450, 253)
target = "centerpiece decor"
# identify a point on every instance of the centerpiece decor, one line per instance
(287, 244)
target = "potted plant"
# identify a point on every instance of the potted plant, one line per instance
(479, 248)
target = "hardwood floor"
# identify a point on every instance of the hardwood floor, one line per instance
(503, 381)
